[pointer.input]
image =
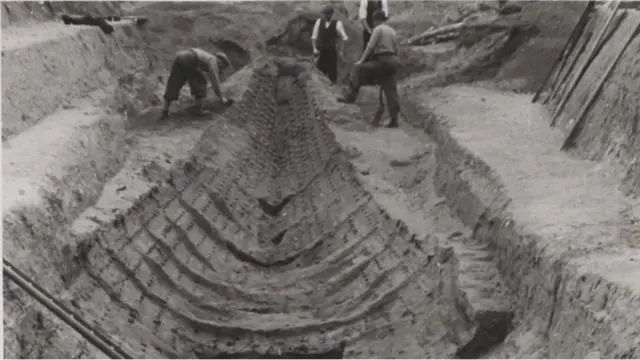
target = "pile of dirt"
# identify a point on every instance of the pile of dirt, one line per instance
(532, 61)
(15, 13)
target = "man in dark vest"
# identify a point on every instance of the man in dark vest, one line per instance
(325, 39)
(367, 9)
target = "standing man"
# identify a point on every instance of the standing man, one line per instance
(195, 66)
(378, 65)
(324, 40)
(365, 15)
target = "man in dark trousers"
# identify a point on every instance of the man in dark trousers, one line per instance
(378, 65)
(324, 40)
(365, 15)
(195, 66)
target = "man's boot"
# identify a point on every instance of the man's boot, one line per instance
(197, 108)
(349, 97)
(393, 123)
(165, 111)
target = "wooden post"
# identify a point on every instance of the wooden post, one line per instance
(598, 45)
(561, 61)
(578, 125)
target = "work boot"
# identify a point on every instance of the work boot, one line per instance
(349, 97)
(197, 109)
(165, 114)
(393, 123)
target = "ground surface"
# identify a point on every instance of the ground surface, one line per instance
(256, 232)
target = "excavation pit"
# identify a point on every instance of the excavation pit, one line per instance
(269, 249)
(267, 239)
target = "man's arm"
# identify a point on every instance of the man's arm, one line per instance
(385, 7)
(362, 12)
(314, 36)
(362, 15)
(375, 37)
(214, 79)
(341, 31)
(343, 35)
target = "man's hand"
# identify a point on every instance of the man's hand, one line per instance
(316, 52)
(226, 101)
(359, 62)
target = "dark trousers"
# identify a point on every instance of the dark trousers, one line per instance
(328, 63)
(380, 70)
(185, 69)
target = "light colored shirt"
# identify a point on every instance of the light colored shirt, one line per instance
(383, 40)
(339, 29)
(209, 64)
(362, 14)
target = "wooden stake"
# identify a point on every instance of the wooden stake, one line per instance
(567, 50)
(578, 125)
(596, 49)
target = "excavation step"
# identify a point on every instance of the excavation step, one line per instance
(561, 229)
(75, 60)
(54, 169)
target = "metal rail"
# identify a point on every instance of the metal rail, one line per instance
(61, 311)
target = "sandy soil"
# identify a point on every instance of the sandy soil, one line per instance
(568, 198)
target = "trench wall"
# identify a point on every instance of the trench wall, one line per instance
(593, 92)
(19, 13)
(569, 307)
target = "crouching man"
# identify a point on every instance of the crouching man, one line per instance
(378, 66)
(195, 66)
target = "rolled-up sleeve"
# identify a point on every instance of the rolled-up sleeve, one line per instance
(316, 28)
(341, 31)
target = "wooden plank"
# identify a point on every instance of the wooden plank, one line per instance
(558, 90)
(598, 45)
(577, 127)
(562, 58)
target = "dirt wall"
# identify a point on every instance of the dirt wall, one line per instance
(70, 62)
(21, 13)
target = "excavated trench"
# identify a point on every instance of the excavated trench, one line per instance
(266, 244)
(277, 251)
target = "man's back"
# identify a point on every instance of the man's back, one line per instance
(384, 40)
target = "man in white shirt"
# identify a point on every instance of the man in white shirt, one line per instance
(378, 65)
(195, 66)
(324, 40)
(365, 15)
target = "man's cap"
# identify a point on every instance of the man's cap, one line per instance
(222, 56)
(328, 9)
(379, 15)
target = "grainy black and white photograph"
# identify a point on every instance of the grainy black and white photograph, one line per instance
(320, 179)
